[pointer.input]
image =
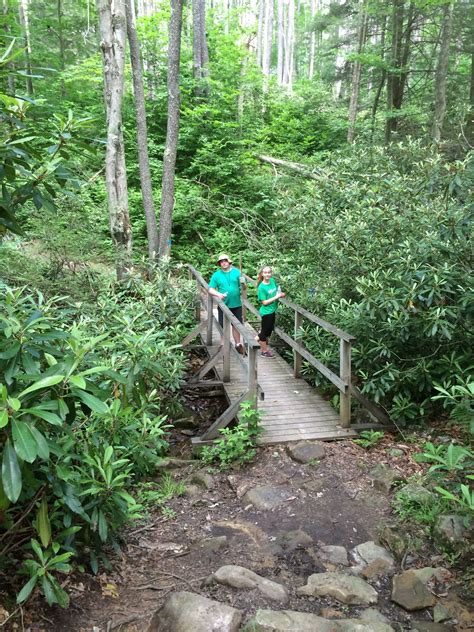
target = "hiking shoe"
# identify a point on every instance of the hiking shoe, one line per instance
(240, 348)
(267, 354)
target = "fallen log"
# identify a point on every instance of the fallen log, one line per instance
(304, 170)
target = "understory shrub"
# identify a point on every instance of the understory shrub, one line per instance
(84, 405)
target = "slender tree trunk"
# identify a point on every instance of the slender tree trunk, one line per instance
(383, 76)
(172, 130)
(312, 43)
(393, 75)
(290, 45)
(470, 114)
(280, 41)
(260, 26)
(442, 73)
(356, 74)
(142, 134)
(267, 38)
(25, 25)
(200, 50)
(112, 24)
(11, 64)
(62, 57)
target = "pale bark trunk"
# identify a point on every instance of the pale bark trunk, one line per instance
(200, 50)
(142, 134)
(260, 26)
(172, 130)
(24, 22)
(112, 25)
(312, 44)
(267, 37)
(442, 73)
(11, 64)
(356, 75)
(291, 44)
(62, 56)
(281, 42)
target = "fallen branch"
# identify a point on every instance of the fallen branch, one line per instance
(304, 170)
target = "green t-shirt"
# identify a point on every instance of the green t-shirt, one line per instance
(266, 291)
(227, 282)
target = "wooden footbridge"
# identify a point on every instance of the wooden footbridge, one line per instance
(292, 410)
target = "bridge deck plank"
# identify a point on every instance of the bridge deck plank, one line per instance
(292, 410)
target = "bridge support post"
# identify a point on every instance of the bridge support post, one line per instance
(297, 356)
(345, 375)
(252, 376)
(226, 350)
(210, 318)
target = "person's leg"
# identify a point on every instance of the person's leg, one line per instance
(268, 322)
(237, 311)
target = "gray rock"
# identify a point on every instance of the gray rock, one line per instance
(383, 477)
(428, 626)
(188, 423)
(344, 588)
(410, 591)
(173, 464)
(440, 613)
(357, 625)
(267, 497)
(416, 494)
(395, 540)
(333, 554)
(203, 479)
(292, 621)
(193, 491)
(373, 558)
(374, 616)
(292, 540)
(211, 545)
(314, 485)
(395, 452)
(450, 530)
(240, 577)
(288, 621)
(187, 612)
(306, 451)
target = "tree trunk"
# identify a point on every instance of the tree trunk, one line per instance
(112, 25)
(200, 50)
(312, 44)
(260, 24)
(62, 57)
(393, 75)
(442, 73)
(11, 64)
(382, 78)
(24, 22)
(280, 42)
(267, 38)
(356, 74)
(470, 113)
(142, 134)
(290, 45)
(172, 129)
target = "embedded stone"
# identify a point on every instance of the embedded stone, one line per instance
(288, 621)
(266, 497)
(410, 592)
(383, 477)
(306, 451)
(292, 540)
(450, 530)
(240, 577)
(202, 479)
(345, 588)
(428, 626)
(333, 554)
(416, 494)
(372, 559)
(211, 545)
(187, 612)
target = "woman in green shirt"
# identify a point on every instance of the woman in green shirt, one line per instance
(268, 294)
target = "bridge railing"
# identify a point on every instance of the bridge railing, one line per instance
(248, 362)
(300, 352)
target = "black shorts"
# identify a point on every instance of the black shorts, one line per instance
(267, 326)
(237, 311)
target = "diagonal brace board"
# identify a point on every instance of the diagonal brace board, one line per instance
(226, 417)
(210, 364)
(195, 332)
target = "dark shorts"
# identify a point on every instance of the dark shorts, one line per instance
(237, 311)
(267, 326)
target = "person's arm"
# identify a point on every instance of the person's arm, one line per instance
(273, 299)
(216, 293)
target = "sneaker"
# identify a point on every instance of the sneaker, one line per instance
(240, 348)
(267, 354)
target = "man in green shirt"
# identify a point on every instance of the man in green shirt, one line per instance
(225, 284)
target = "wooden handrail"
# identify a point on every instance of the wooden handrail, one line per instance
(343, 380)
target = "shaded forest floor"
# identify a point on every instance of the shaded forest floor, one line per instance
(331, 501)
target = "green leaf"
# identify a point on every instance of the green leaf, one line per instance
(51, 360)
(103, 530)
(11, 473)
(78, 381)
(11, 351)
(43, 526)
(93, 402)
(27, 589)
(51, 418)
(3, 418)
(43, 383)
(108, 453)
(24, 441)
(48, 591)
(41, 443)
